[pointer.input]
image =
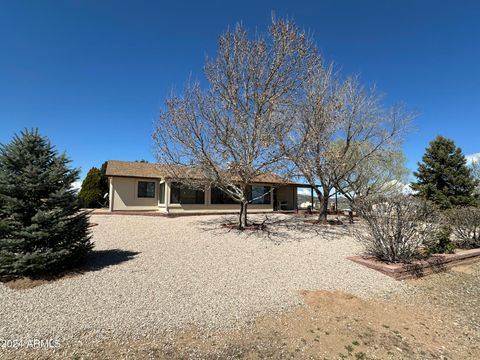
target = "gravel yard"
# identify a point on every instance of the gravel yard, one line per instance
(186, 287)
(155, 274)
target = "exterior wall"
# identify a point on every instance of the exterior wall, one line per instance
(123, 196)
(286, 194)
(123, 192)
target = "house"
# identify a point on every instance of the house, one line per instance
(145, 186)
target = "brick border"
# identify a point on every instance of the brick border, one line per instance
(435, 264)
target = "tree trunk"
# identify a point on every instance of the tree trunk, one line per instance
(241, 218)
(350, 216)
(322, 216)
(245, 222)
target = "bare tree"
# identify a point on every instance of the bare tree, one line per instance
(226, 134)
(341, 127)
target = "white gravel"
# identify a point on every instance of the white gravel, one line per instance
(189, 271)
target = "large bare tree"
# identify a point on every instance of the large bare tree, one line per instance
(340, 128)
(226, 132)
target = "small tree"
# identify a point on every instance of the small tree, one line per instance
(41, 226)
(90, 194)
(226, 134)
(444, 177)
(396, 227)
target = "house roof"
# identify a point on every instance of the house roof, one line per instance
(161, 171)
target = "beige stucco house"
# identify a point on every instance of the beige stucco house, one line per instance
(147, 187)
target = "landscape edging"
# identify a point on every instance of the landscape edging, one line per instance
(436, 263)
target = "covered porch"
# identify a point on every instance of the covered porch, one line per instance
(293, 197)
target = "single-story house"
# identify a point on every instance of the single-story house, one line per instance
(147, 186)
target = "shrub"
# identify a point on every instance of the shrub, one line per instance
(442, 243)
(465, 222)
(396, 227)
(41, 226)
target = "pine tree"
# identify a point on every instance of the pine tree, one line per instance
(91, 191)
(42, 229)
(443, 176)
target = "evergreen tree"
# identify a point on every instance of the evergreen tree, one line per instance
(41, 226)
(104, 185)
(443, 175)
(91, 191)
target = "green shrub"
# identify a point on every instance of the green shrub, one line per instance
(442, 243)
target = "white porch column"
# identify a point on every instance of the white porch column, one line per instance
(167, 195)
(110, 194)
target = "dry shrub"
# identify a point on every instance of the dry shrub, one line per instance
(465, 222)
(397, 227)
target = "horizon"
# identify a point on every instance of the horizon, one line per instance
(92, 77)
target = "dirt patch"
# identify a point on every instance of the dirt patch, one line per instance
(466, 269)
(25, 282)
(330, 325)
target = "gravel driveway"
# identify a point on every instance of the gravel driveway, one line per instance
(153, 275)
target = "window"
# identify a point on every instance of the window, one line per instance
(146, 189)
(259, 194)
(184, 195)
(219, 197)
(162, 193)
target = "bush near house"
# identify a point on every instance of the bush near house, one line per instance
(396, 227)
(41, 226)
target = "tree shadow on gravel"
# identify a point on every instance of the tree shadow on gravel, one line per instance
(94, 261)
(99, 259)
(276, 229)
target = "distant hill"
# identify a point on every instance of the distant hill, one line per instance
(342, 202)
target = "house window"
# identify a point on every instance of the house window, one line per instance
(146, 189)
(184, 195)
(259, 194)
(162, 193)
(220, 197)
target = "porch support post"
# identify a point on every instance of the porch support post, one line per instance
(311, 195)
(110, 194)
(167, 195)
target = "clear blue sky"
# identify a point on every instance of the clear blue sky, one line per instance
(92, 75)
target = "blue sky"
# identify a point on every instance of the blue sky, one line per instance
(93, 75)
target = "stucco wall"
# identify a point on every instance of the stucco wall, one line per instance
(125, 195)
(288, 194)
